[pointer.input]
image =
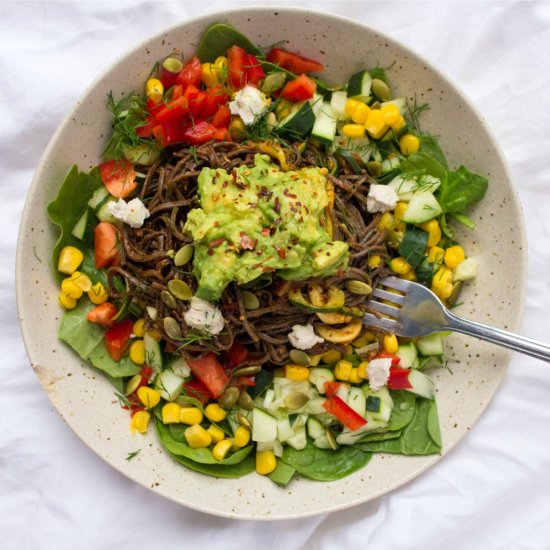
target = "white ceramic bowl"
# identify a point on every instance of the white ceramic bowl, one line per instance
(86, 401)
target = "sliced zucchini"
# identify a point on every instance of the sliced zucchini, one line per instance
(324, 128)
(299, 122)
(318, 376)
(421, 384)
(338, 104)
(169, 385)
(422, 207)
(359, 86)
(407, 354)
(431, 344)
(264, 426)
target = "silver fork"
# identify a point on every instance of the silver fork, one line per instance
(416, 311)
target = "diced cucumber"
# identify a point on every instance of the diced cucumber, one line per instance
(324, 128)
(284, 429)
(315, 405)
(343, 391)
(390, 163)
(299, 440)
(374, 403)
(84, 227)
(153, 353)
(144, 154)
(359, 86)
(169, 385)
(299, 122)
(338, 104)
(274, 446)
(416, 363)
(316, 103)
(357, 400)
(431, 344)
(179, 367)
(347, 437)
(264, 426)
(421, 384)
(431, 362)
(99, 197)
(407, 354)
(466, 270)
(314, 428)
(386, 404)
(405, 187)
(422, 207)
(318, 376)
(322, 442)
(103, 213)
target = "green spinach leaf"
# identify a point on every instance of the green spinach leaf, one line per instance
(404, 405)
(430, 145)
(460, 189)
(413, 245)
(218, 39)
(423, 162)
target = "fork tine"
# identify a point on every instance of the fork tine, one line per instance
(380, 322)
(384, 308)
(395, 283)
(390, 296)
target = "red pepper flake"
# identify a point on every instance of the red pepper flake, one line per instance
(225, 184)
(278, 221)
(246, 242)
(216, 242)
(210, 252)
(266, 231)
(322, 221)
(281, 252)
(287, 193)
(277, 206)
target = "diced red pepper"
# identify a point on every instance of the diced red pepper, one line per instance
(197, 390)
(210, 372)
(200, 133)
(174, 110)
(169, 71)
(299, 89)
(195, 99)
(235, 66)
(118, 177)
(243, 382)
(235, 356)
(176, 91)
(102, 314)
(117, 339)
(294, 62)
(399, 379)
(191, 74)
(145, 131)
(385, 355)
(217, 93)
(344, 413)
(159, 134)
(106, 252)
(146, 372)
(174, 131)
(331, 388)
(222, 118)
(253, 69)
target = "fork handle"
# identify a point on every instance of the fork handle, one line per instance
(498, 336)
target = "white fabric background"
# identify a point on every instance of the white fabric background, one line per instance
(491, 491)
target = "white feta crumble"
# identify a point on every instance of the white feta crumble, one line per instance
(379, 372)
(249, 103)
(132, 213)
(205, 316)
(303, 337)
(381, 198)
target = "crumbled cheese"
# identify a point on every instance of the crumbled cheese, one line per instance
(132, 213)
(205, 316)
(249, 103)
(381, 198)
(379, 372)
(303, 337)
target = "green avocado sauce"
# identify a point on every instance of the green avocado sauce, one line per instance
(260, 219)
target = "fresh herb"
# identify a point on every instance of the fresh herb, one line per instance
(460, 190)
(413, 113)
(132, 455)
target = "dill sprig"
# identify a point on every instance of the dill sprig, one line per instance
(133, 454)
(414, 113)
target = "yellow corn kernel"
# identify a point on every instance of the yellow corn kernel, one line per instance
(434, 232)
(209, 75)
(69, 260)
(375, 124)
(386, 221)
(70, 288)
(154, 90)
(98, 294)
(391, 113)
(390, 343)
(217, 434)
(221, 448)
(399, 210)
(171, 413)
(409, 276)
(331, 356)
(214, 412)
(296, 372)
(315, 359)
(155, 335)
(265, 462)
(360, 113)
(409, 144)
(400, 266)
(137, 352)
(435, 254)
(139, 328)
(148, 396)
(221, 65)
(343, 369)
(398, 124)
(351, 105)
(82, 281)
(354, 377)
(242, 437)
(139, 422)
(190, 415)
(353, 130)
(197, 437)
(374, 261)
(454, 255)
(442, 282)
(66, 301)
(362, 369)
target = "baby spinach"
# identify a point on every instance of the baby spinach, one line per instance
(413, 245)
(461, 189)
(424, 163)
(404, 405)
(218, 39)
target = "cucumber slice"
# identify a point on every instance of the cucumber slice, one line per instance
(421, 384)
(324, 128)
(359, 86)
(431, 344)
(284, 429)
(169, 385)
(343, 392)
(274, 446)
(386, 404)
(299, 122)
(318, 376)
(315, 406)
(322, 442)
(407, 354)
(430, 362)
(299, 440)
(84, 227)
(357, 401)
(314, 428)
(422, 208)
(99, 197)
(153, 353)
(104, 215)
(338, 104)
(264, 426)
(180, 367)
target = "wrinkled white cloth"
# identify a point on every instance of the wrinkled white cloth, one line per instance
(491, 491)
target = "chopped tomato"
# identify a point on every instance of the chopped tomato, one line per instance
(191, 74)
(209, 371)
(253, 69)
(195, 99)
(146, 372)
(200, 133)
(217, 93)
(222, 118)
(399, 379)
(385, 355)
(145, 131)
(118, 177)
(117, 339)
(102, 314)
(174, 110)
(299, 89)
(235, 66)
(344, 413)
(106, 251)
(294, 62)
(196, 389)
(159, 134)
(235, 356)
(174, 131)
(176, 91)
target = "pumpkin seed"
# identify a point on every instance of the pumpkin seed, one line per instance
(299, 357)
(251, 370)
(168, 300)
(180, 289)
(245, 401)
(183, 255)
(250, 300)
(380, 89)
(374, 167)
(243, 421)
(228, 398)
(172, 328)
(153, 313)
(358, 287)
(133, 384)
(296, 400)
(331, 438)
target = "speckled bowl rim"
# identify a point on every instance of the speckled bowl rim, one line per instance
(27, 217)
